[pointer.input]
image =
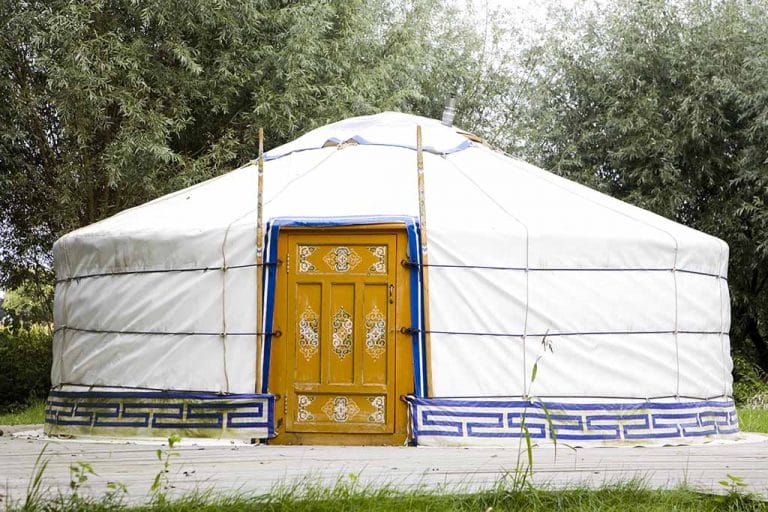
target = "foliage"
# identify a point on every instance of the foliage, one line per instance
(162, 482)
(750, 387)
(28, 304)
(25, 365)
(78, 477)
(663, 104)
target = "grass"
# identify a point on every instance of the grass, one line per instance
(350, 497)
(29, 415)
(753, 420)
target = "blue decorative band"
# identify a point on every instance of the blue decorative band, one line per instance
(158, 414)
(460, 421)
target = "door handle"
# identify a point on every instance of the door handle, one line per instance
(391, 294)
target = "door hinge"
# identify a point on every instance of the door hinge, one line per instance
(285, 405)
(287, 263)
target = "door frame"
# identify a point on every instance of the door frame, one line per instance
(413, 298)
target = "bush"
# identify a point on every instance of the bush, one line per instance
(25, 365)
(749, 382)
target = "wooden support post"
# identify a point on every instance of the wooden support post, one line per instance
(424, 254)
(260, 266)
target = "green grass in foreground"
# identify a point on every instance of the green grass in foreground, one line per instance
(753, 420)
(630, 496)
(29, 415)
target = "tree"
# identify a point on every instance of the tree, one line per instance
(665, 104)
(27, 306)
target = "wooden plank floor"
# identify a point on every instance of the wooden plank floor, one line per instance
(258, 469)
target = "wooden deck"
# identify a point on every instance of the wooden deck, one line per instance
(257, 469)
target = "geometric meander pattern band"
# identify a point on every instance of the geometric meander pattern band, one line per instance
(159, 414)
(636, 421)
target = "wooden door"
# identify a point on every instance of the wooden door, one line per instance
(344, 293)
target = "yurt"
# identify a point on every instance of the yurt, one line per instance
(361, 285)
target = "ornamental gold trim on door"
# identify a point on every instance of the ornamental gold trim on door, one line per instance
(302, 402)
(342, 259)
(342, 332)
(306, 266)
(375, 333)
(380, 265)
(377, 416)
(309, 333)
(340, 409)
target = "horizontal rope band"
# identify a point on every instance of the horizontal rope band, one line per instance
(409, 263)
(580, 397)
(105, 391)
(405, 263)
(275, 334)
(412, 330)
(404, 330)
(168, 271)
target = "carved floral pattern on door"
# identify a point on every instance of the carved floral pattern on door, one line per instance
(309, 333)
(340, 409)
(342, 259)
(377, 416)
(375, 333)
(302, 413)
(380, 265)
(306, 266)
(342, 332)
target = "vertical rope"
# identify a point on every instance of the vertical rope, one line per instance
(525, 317)
(259, 262)
(722, 320)
(223, 334)
(677, 344)
(65, 311)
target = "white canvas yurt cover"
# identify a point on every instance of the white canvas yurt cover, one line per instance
(625, 314)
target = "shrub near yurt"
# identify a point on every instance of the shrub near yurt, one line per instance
(357, 286)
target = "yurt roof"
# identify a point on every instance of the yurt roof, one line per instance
(364, 167)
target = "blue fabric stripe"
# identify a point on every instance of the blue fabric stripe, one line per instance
(473, 418)
(417, 312)
(610, 406)
(269, 289)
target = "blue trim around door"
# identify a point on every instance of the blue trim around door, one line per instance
(417, 296)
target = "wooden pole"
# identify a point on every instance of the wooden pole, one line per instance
(260, 264)
(424, 255)
(422, 205)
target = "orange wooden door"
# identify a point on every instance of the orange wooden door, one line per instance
(343, 293)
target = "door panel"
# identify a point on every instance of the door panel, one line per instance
(340, 353)
(344, 362)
